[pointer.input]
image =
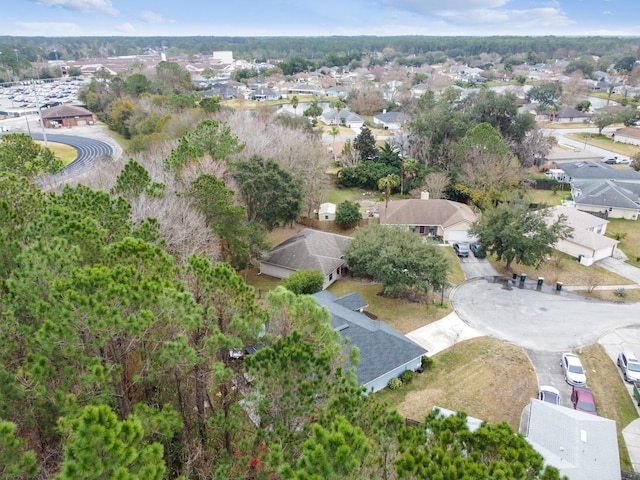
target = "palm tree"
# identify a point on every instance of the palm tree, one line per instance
(410, 168)
(386, 184)
(294, 103)
(334, 132)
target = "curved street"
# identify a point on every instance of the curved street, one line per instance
(539, 320)
(88, 150)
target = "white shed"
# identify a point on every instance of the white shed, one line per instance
(327, 212)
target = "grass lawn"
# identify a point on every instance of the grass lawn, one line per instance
(563, 268)
(612, 398)
(470, 377)
(546, 197)
(606, 142)
(66, 153)
(630, 244)
(401, 314)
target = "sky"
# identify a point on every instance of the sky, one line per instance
(319, 17)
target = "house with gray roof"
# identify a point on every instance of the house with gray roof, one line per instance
(588, 242)
(353, 301)
(385, 353)
(590, 170)
(611, 198)
(568, 115)
(262, 94)
(580, 445)
(630, 135)
(444, 218)
(344, 117)
(308, 250)
(389, 120)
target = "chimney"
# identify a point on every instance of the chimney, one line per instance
(424, 195)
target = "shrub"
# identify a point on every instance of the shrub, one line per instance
(407, 376)
(304, 282)
(394, 383)
(427, 362)
(618, 235)
(621, 292)
(347, 214)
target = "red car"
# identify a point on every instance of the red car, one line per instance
(583, 400)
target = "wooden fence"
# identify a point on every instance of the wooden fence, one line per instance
(330, 225)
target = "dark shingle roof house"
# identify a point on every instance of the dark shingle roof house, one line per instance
(384, 352)
(352, 301)
(588, 170)
(309, 250)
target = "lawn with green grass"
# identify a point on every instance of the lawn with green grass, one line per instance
(606, 142)
(629, 237)
(66, 153)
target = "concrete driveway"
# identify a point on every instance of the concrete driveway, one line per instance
(474, 267)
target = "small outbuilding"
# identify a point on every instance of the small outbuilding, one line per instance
(66, 116)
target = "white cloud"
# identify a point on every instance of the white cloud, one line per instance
(482, 13)
(82, 5)
(151, 17)
(48, 29)
(126, 28)
(607, 12)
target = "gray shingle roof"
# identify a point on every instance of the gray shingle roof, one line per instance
(588, 170)
(426, 212)
(337, 115)
(606, 193)
(382, 348)
(581, 445)
(310, 249)
(352, 301)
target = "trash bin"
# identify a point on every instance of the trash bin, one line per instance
(540, 281)
(515, 275)
(558, 286)
(523, 277)
(580, 257)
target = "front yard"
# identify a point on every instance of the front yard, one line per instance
(483, 377)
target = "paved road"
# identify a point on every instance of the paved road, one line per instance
(561, 135)
(88, 150)
(538, 320)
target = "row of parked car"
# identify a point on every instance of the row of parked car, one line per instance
(462, 250)
(582, 397)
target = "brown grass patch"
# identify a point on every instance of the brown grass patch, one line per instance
(612, 398)
(470, 377)
(560, 267)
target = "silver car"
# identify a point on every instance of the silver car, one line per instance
(630, 366)
(574, 374)
(549, 394)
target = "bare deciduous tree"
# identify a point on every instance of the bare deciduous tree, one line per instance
(435, 183)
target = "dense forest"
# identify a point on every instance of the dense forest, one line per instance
(313, 48)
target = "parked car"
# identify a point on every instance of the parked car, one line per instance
(610, 161)
(461, 249)
(574, 374)
(477, 250)
(630, 366)
(549, 394)
(583, 400)
(623, 161)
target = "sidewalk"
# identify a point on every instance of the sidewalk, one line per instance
(443, 334)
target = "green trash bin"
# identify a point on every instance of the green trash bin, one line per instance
(558, 286)
(540, 281)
